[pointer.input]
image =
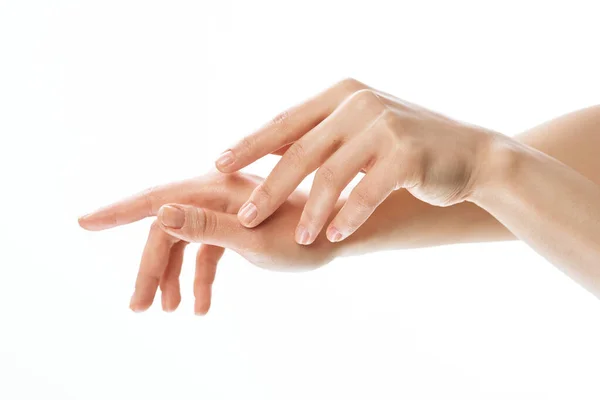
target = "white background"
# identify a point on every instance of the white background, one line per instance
(99, 99)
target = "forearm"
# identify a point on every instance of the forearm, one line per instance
(403, 221)
(548, 205)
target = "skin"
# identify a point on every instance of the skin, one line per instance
(204, 210)
(543, 187)
(350, 128)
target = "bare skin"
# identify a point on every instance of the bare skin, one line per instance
(542, 187)
(350, 128)
(204, 210)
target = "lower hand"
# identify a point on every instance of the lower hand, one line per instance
(204, 210)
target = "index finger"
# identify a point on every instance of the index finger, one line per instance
(287, 127)
(147, 203)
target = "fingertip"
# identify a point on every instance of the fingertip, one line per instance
(203, 295)
(171, 216)
(222, 169)
(334, 235)
(225, 161)
(201, 308)
(86, 223)
(82, 221)
(170, 302)
(169, 308)
(247, 215)
(136, 307)
(303, 236)
(97, 221)
(138, 303)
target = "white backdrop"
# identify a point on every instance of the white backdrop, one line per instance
(99, 99)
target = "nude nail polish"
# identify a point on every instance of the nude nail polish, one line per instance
(172, 217)
(225, 159)
(248, 213)
(333, 234)
(302, 235)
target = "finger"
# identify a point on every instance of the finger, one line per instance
(206, 193)
(287, 127)
(155, 259)
(330, 180)
(352, 118)
(301, 159)
(373, 189)
(207, 258)
(169, 282)
(194, 224)
(281, 151)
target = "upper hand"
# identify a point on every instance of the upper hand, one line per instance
(351, 128)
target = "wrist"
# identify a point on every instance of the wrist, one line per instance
(499, 167)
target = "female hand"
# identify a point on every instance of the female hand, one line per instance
(351, 128)
(206, 212)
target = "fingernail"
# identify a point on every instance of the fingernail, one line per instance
(248, 213)
(171, 217)
(168, 303)
(81, 220)
(333, 234)
(168, 307)
(225, 159)
(201, 308)
(302, 235)
(134, 306)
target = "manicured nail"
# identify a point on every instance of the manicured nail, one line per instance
(171, 217)
(302, 235)
(333, 234)
(225, 159)
(248, 213)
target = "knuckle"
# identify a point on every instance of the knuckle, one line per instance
(155, 227)
(326, 176)
(365, 99)
(198, 224)
(397, 133)
(209, 223)
(389, 120)
(398, 124)
(281, 118)
(308, 217)
(364, 200)
(350, 85)
(295, 156)
(264, 192)
(408, 150)
(246, 145)
(150, 200)
(389, 129)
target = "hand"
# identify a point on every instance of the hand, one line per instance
(206, 212)
(351, 128)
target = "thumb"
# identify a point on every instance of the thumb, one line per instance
(194, 224)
